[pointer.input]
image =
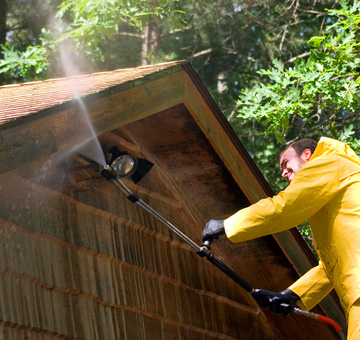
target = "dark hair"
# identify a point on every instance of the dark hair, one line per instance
(303, 144)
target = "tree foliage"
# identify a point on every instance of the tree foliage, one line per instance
(319, 93)
(90, 27)
(92, 21)
(226, 40)
(27, 64)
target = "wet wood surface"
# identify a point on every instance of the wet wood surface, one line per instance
(78, 260)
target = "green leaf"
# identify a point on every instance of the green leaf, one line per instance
(316, 41)
(278, 65)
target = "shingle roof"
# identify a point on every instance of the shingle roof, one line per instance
(23, 99)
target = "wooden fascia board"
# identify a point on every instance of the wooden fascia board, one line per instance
(247, 175)
(220, 134)
(227, 148)
(62, 127)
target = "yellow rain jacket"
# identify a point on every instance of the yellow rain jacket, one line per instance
(326, 192)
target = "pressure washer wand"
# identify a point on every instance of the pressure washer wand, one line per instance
(203, 251)
(136, 199)
(260, 295)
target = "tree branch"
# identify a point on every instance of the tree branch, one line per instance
(302, 55)
(198, 54)
(129, 34)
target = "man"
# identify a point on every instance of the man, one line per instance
(324, 189)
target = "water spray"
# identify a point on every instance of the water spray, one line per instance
(124, 165)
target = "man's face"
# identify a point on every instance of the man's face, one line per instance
(291, 163)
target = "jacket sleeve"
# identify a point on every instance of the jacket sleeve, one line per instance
(312, 287)
(312, 187)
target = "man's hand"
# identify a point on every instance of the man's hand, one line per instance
(213, 229)
(285, 304)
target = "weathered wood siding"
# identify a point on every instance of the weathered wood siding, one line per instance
(79, 261)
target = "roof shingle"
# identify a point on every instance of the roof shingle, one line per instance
(23, 99)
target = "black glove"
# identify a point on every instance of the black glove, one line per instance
(213, 229)
(261, 296)
(284, 304)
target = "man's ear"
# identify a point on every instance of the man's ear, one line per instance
(307, 154)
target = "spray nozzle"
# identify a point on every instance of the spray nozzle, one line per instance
(108, 173)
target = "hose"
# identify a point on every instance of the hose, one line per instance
(320, 318)
(331, 322)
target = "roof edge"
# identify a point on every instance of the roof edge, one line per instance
(168, 68)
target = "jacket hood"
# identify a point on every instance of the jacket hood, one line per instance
(329, 146)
